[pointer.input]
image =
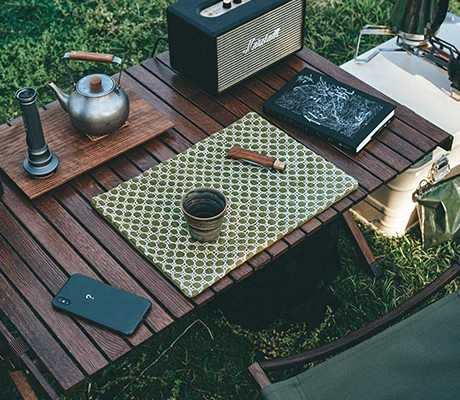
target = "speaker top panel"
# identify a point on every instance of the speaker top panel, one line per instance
(217, 17)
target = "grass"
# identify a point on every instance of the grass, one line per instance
(42, 31)
(206, 354)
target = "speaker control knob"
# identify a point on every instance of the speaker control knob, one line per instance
(237, 1)
(227, 4)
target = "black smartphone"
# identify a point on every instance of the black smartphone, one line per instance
(102, 304)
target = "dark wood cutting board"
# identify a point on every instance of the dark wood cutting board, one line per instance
(77, 153)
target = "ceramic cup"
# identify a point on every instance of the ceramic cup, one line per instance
(204, 210)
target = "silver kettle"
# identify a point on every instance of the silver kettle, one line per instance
(97, 106)
(415, 21)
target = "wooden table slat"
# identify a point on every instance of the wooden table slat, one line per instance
(204, 297)
(123, 167)
(222, 284)
(389, 156)
(278, 248)
(43, 232)
(53, 278)
(159, 150)
(104, 178)
(194, 114)
(141, 158)
(311, 226)
(98, 257)
(327, 215)
(142, 269)
(70, 335)
(358, 195)
(343, 205)
(38, 338)
(181, 124)
(242, 272)
(295, 237)
(260, 260)
(409, 136)
(190, 91)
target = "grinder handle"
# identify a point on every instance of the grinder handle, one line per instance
(252, 156)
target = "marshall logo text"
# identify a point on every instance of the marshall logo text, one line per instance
(256, 43)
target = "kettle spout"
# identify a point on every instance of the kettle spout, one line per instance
(62, 97)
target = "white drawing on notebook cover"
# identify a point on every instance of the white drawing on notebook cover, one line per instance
(334, 107)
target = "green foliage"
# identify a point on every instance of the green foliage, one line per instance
(34, 35)
(205, 356)
(33, 41)
(332, 27)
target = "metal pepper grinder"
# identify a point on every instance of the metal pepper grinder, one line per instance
(40, 162)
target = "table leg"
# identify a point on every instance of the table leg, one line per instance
(15, 350)
(362, 246)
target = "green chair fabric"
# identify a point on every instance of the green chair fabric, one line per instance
(418, 358)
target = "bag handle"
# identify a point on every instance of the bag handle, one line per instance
(439, 170)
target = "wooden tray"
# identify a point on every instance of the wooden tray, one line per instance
(76, 152)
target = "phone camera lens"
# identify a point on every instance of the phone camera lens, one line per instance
(63, 301)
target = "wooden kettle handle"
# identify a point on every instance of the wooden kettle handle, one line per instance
(237, 152)
(89, 56)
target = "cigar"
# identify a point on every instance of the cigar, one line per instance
(253, 157)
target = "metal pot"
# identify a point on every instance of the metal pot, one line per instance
(98, 105)
(417, 20)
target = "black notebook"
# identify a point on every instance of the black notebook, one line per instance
(336, 112)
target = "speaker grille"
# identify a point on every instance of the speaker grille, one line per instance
(255, 45)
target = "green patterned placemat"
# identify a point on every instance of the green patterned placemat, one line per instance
(264, 204)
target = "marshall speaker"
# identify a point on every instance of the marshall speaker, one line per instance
(217, 44)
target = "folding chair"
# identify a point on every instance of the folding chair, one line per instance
(416, 358)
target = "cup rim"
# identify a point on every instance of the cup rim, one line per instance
(201, 188)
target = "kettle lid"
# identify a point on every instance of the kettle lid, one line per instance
(96, 85)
